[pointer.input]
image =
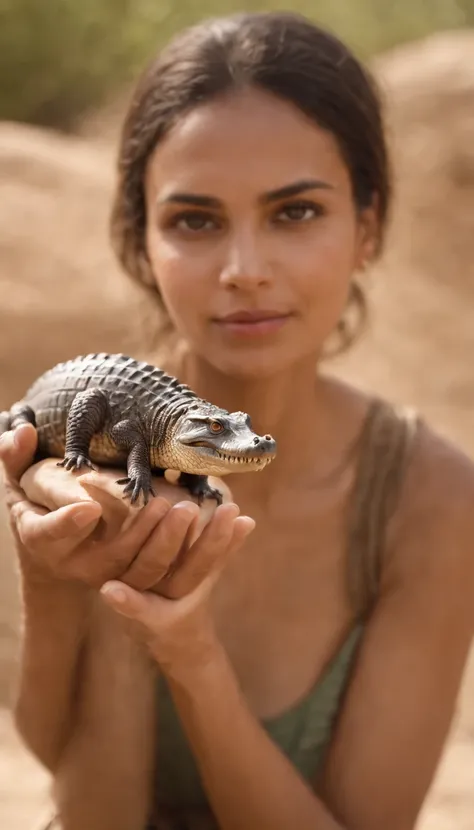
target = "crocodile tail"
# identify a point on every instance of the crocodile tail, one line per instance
(4, 422)
(20, 413)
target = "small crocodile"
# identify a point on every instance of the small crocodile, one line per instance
(109, 409)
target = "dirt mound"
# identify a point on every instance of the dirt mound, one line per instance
(430, 90)
(421, 338)
(62, 292)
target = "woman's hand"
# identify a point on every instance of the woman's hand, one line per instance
(79, 527)
(58, 527)
(44, 539)
(180, 633)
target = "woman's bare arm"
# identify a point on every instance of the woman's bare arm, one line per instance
(53, 611)
(54, 623)
(250, 784)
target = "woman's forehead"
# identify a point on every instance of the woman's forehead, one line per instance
(253, 137)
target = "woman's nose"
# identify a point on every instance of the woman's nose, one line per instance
(246, 264)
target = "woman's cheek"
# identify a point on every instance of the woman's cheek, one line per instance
(324, 282)
(184, 291)
(335, 256)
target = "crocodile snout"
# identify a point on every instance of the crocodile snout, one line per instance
(266, 445)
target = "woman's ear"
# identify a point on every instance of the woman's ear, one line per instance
(369, 234)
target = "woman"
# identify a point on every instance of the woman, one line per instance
(303, 660)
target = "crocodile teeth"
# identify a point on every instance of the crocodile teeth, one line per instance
(237, 459)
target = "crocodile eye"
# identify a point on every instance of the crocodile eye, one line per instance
(215, 427)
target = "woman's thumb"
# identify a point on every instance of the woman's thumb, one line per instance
(17, 449)
(130, 603)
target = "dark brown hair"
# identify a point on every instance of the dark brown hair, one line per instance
(281, 53)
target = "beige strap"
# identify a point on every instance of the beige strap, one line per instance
(384, 452)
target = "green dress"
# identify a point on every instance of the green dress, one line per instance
(302, 732)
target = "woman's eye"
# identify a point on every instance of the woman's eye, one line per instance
(194, 222)
(299, 212)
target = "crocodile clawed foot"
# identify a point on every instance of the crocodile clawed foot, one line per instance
(75, 461)
(210, 493)
(198, 486)
(134, 486)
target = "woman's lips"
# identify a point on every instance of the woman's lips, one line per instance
(253, 323)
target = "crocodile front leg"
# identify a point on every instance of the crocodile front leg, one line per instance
(87, 415)
(129, 437)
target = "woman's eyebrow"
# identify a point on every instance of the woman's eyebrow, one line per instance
(197, 199)
(295, 189)
(288, 190)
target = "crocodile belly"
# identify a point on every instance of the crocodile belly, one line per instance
(104, 451)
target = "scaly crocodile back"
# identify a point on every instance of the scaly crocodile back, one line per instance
(130, 384)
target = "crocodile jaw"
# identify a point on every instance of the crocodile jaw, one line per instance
(207, 461)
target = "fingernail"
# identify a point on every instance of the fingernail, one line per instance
(83, 518)
(6, 441)
(186, 507)
(114, 592)
(249, 525)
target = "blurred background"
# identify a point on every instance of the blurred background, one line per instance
(65, 73)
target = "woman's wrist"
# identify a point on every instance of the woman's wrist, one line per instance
(37, 579)
(56, 615)
(33, 573)
(191, 657)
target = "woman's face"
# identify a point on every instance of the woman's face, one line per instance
(252, 233)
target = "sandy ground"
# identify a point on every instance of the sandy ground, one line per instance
(62, 294)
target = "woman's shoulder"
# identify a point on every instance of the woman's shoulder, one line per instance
(432, 533)
(440, 473)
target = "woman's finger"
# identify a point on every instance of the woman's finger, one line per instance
(243, 527)
(17, 450)
(36, 526)
(162, 547)
(125, 547)
(181, 584)
(103, 556)
(140, 523)
(130, 603)
(201, 559)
